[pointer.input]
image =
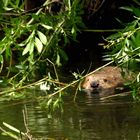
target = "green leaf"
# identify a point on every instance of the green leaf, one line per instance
(137, 39)
(29, 48)
(10, 134)
(42, 37)
(47, 26)
(31, 37)
(138, 77)
(26, 50)
(63, 54)
(13, 128)
(132, 9)
(38, 44)
(28, 40)
(127, 8)
(136, 11)
(8, 9)
(73, 30)
(58, 60)
(5, 2)
(1, 59)
(56, 104)
(49, 102)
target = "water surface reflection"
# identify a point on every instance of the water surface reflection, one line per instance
(86, 119)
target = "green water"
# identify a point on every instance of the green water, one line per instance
(85, 119)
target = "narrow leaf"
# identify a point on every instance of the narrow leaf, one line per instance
(38, 44)
(49, 102)
(47, 26)
(13, 128)
(42, 37)
(26, 49)
(63, 54)
(31, 47)
(56, 104)
(58, 60)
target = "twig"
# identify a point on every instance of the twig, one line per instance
(28, 134)
(115, 95)
(33, 84)
(54, 69)
(58, 91)
(57, 82)
(75, 95)
(76, 81)
(101, 30)
(98, 69)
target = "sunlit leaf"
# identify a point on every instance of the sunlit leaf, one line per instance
(28, 48)
(127, 8)
(31, 47)
(42, 37)
(7, 133)
(13, 128)
(1, 59)
(47, 26)
(138, 77)
(8, 9)
(31, 36)
(21, 44)
(73, 30)
(38, 44)
(49, 102)
(5, 2)
(58, 60)
(56, 103)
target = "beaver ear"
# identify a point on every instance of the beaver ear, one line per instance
(105, 80)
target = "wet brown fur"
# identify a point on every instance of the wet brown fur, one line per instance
(107, 80)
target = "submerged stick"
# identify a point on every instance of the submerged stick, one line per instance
(116, 95)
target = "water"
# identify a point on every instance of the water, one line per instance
(85, 119)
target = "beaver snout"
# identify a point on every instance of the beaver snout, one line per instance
(104, 81)
(94, 84)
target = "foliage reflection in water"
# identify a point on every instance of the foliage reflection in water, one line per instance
(85, 119)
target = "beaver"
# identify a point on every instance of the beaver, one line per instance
(104, 81)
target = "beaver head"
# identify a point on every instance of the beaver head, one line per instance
(103, 82)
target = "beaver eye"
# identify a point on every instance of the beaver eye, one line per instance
(105, 80)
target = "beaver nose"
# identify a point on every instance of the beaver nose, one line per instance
(94, 84)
